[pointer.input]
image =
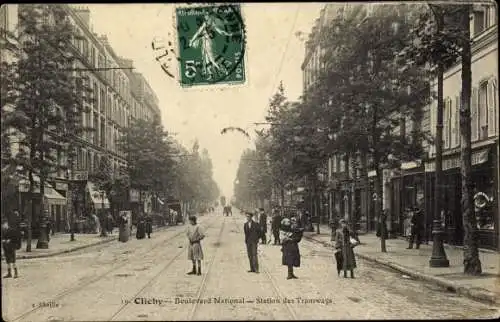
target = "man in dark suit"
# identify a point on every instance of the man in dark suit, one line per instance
(263, 225)
(252, 235)
(275, 226)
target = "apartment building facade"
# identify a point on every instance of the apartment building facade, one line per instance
(119, 95)
(345, 189)
(415, 179)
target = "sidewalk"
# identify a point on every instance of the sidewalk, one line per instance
(415, 263)
(60, 244)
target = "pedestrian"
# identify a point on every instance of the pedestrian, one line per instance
(416, 223)
(123, 228)
(252, 235)
(275, 227)
(344, 244)
(291, 235)
(149, 225)
(195, 252)
(141, 227)
(11, 241)
(48, 228)
(382, 224)
(263, 225)
(110, 223)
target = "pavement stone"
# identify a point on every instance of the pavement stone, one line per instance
(415, 263)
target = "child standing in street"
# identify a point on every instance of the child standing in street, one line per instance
(195, 252)
(11, 241)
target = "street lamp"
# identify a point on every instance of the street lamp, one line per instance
(69, 202)
(438, 258)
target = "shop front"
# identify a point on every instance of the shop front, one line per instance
(54, 202)
(484, 179)
(407, 189)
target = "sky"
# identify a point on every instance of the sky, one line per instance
(201, 113)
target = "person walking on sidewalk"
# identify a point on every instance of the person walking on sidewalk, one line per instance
(416, 223)
(263, 225)
(149, 225)
(275, 226)
(252, 235)
(344, 243)
(11, 241)
(195, 252)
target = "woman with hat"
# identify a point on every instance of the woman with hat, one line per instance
(345, 241)
(290, 235)
(195, 252)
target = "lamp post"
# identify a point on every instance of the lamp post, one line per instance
(69, 201)
(438, 258)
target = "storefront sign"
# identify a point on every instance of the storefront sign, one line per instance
(478, 157)
(61, 186)
(410, 165)
(79, 175)
(134, 195)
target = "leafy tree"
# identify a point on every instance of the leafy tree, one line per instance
(147, 146)
(472, 263)
(440, 37)
(47, 99)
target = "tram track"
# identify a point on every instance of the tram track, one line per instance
(94, 279)
(204, 280)
(162, 271)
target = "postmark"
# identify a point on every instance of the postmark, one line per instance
(211, 45)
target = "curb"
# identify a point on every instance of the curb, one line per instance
(73, 249)
(66, 250)
(478, 294)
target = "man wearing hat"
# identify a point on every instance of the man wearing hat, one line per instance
(252, 235)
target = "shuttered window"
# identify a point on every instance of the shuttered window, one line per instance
(483, 110)
(492, 114)
(446, 123)
(453, 124)
(474, 116)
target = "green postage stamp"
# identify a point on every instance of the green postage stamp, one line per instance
(211, 45)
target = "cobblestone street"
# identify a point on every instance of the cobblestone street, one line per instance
(146, 280)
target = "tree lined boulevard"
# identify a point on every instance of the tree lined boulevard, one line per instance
(146, 280)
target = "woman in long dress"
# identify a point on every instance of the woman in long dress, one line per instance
(195, 252)
(141, 228)
(343, 245)
(290, 235)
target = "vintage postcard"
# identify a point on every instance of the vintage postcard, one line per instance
(250, 161)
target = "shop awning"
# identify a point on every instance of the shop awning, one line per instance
(478, 157)
(53, 197)
(99, 198)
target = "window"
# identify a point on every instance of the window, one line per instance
(85, 44)
(102, 102)
(95, 133)
(479, 21)
(483, 110)
(93, 57)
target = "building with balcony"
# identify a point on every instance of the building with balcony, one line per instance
(416, 179)
(118, 96)
(341, 171)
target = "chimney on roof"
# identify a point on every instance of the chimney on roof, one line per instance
(84, 14)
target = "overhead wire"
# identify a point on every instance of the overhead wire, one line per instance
(285, 50)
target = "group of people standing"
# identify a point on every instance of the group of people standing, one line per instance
(144, 226)
(286, 231)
